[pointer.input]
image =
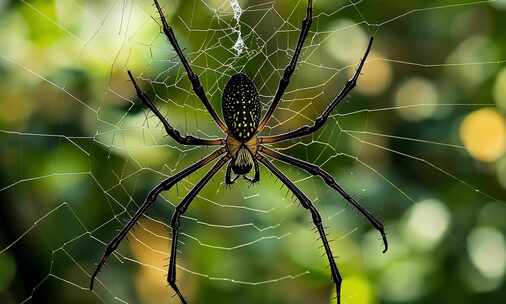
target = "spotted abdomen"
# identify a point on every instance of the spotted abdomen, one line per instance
(241, 107)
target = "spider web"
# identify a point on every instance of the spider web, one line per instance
(123, 151)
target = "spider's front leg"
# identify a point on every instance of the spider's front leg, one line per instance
(197, 86)
(175, 223)
(322, 119)
(317, 221)
(290, 68)
(171, 131)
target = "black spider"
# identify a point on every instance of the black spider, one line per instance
(243, 149)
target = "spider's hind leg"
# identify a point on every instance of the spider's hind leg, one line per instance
(330, 181)
(229, 180)
(150, 199)
(175, 224)
(317, 221)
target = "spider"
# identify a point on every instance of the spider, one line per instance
(241, 149)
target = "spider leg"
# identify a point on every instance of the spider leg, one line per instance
(150, 199)
(197, 87)
(320, 121)
(174, 223)
(175, 134)
(329, 180)
(317, 220)
(290, 68)
(228, 176)
(256, 178)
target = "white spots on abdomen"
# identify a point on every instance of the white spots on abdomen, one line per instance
(241, 107)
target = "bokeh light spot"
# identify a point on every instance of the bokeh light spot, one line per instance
(416, 99)
(404, 281)
(501, 4)
(427, 223)
(348, 43)
(487, 251)
(483, 132)
(356, 290)
(150, 281)
(473, 50)
(376, 76)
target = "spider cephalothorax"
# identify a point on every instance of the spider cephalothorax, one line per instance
(242, 149)
(243, 155)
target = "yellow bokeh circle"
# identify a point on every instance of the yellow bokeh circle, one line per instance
(376, 76)
(483, 133)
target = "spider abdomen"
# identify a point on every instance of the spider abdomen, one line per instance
(241, 107)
